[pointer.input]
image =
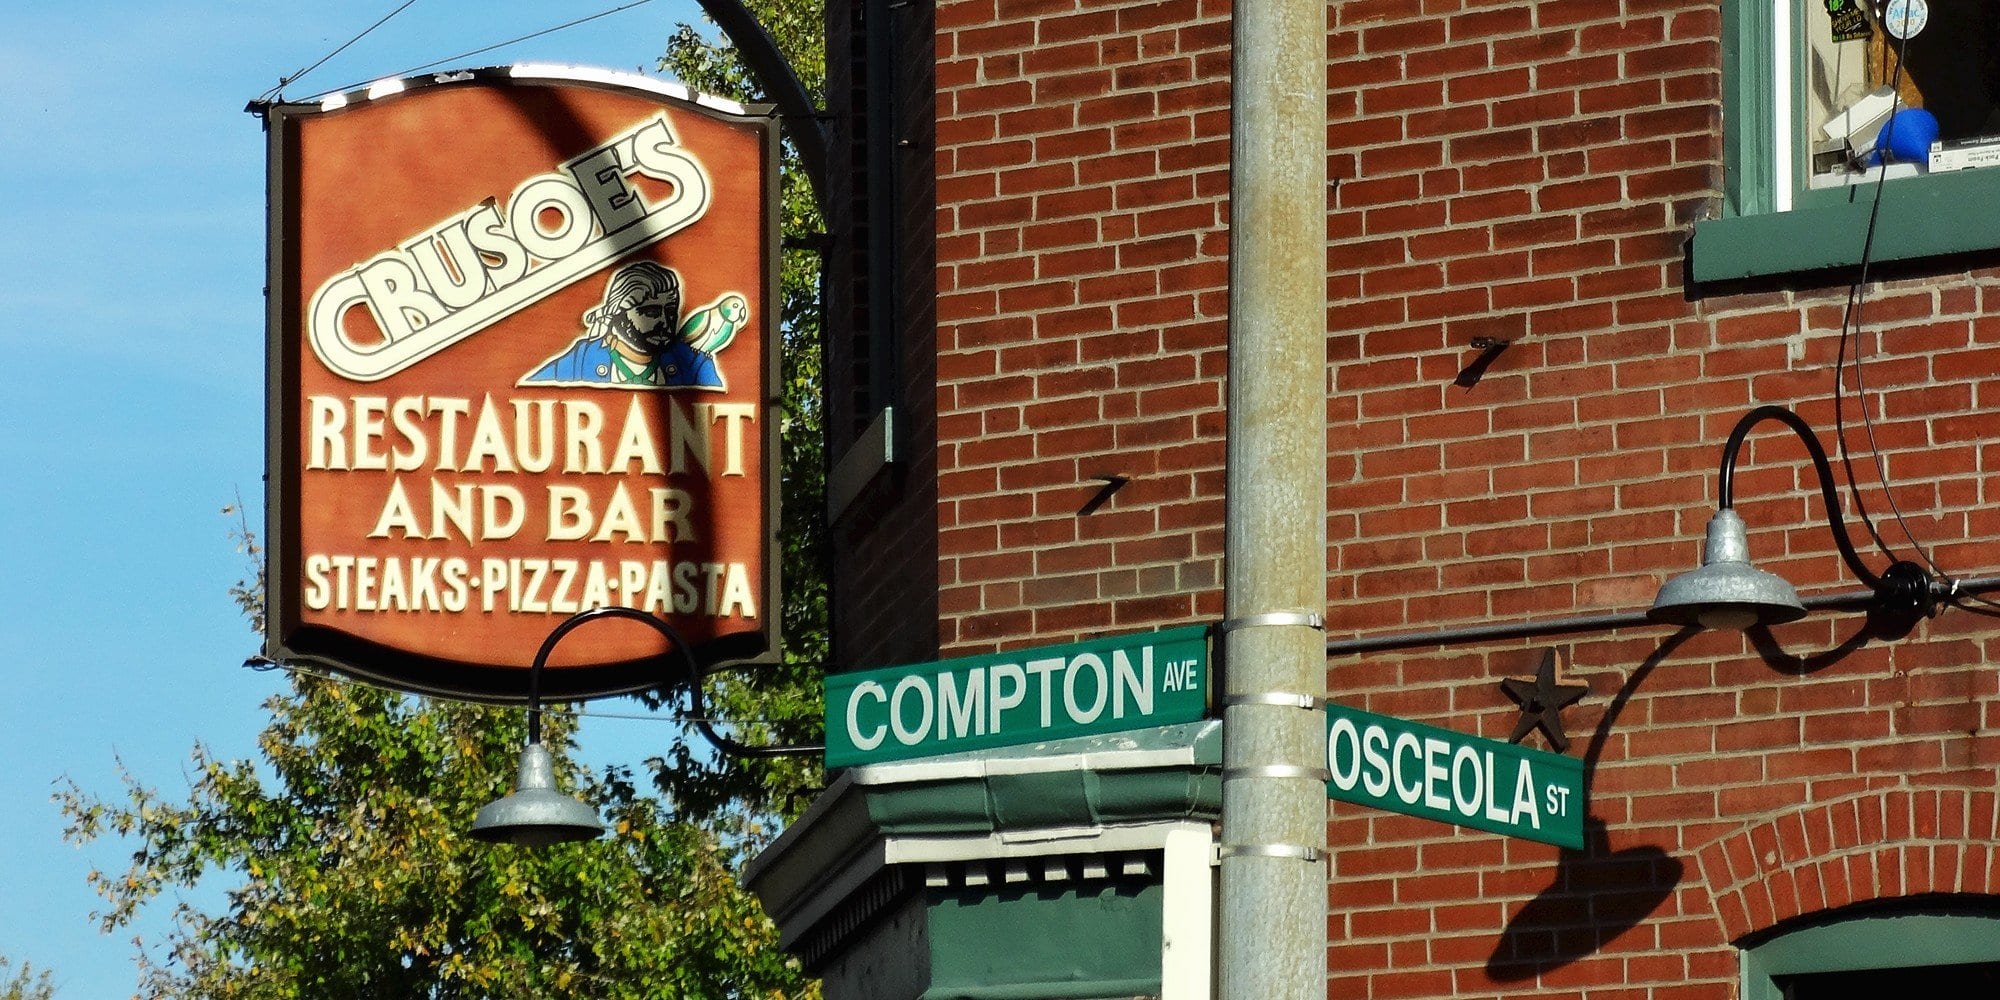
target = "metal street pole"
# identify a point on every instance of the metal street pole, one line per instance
(1274, 885)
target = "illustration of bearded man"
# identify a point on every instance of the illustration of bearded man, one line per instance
(634, 338)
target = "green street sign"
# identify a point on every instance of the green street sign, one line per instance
(1418, 770)
(1023, 696)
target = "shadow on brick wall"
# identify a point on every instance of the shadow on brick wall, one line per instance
(1880, 624)
(1597, 893)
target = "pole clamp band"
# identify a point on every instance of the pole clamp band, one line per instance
(1309, 619)
(1299, 852)
(1283, 699)
(1319, 774)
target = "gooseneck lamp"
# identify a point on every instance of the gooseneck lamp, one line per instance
(537, 815)
(1729, 593)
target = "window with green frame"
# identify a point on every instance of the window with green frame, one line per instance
(1938, 952)
(1806, 85)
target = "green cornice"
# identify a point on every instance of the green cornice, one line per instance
(1095, 793)
(1155, 774)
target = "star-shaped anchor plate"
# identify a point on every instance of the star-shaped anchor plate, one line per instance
(1542, 701)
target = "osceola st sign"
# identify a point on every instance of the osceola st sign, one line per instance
(1418, 770)
(1024, 696)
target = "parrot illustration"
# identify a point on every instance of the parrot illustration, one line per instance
(713, 326)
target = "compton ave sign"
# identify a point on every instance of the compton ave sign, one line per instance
(1018, 697)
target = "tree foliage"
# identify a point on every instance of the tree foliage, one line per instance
(24, 983)
(778, 706)
(358, 880)
(355, 877)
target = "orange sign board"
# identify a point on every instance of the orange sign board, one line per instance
(523, 339)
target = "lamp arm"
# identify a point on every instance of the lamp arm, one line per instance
(1726, 482)
(728, 746)
(799, 118)
(535, 688)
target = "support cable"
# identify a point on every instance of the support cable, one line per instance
(1845, 601)
(521, 38)
(286, 81)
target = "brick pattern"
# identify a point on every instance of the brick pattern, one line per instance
(884, 593)
(1082, 171)
(1520, 171)
(1901, 842)
(1698, 746)
(1528, 172)
(1523, 172)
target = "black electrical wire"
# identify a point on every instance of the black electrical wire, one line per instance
(286, 81)
(523, 38)
(1852, 600)
(1850, 325)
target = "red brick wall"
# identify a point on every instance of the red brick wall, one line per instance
(1523, 171)
(1530, 172)
(1082, 275)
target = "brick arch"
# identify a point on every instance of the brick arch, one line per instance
(1875, 845)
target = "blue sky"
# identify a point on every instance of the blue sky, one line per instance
(131, 413)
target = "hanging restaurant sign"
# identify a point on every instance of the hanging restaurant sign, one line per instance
(523, 333)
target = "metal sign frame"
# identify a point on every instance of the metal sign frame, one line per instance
(486, 674)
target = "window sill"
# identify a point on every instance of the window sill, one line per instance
(1928, 216)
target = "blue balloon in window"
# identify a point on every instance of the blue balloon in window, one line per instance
(1907, 135)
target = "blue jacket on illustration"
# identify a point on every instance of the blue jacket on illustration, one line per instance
(593, 362)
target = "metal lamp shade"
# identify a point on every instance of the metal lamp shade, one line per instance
(536, 815)
(1726, 592)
